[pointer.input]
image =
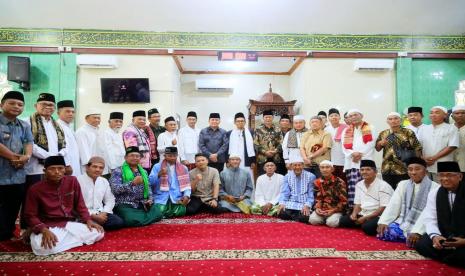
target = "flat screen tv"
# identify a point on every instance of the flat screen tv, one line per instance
(130, 90)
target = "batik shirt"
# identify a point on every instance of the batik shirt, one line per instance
(331, 194)
(266, 139)
(127, 193)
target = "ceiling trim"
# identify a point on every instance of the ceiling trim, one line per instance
(229, 41)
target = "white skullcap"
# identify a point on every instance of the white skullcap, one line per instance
(439, 107)
(92, 111)
(393, 114)
(458, 107)
(234, 155)
(354, 110)
(326, 162)
(296, 159)
(299, 118)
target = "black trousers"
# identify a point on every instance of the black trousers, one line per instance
(296, 215)
(11, 197)
(30, 180)
(454, 257)
(219, 166)
(394, 179)
(197, 206)
(369, 227)
(113, 222)
(315, 169)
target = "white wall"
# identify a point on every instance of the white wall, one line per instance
(227, 104)
(163, 82)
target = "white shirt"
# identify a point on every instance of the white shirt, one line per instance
(188, 144)
(33, 167)
(98, 197)
(238, 145)
(367, 149)
(164, 140)
(392, 212)
(86, 137)
(337, 156)
(375, 196)
(72, 158)
(459, 154)
(415, 129)
(291, 153)
(436, 138)
(268, 189)
(110, 146)
(431, 215)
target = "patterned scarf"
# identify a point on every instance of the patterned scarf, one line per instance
(349, 135)
(337, 136)
(411, 208)
(304, 178)
(40, 137)
(181, 173)
(152, 141)
(292, 142)
(128, 176)
(142, 140)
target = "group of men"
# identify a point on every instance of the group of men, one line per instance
(74, 185)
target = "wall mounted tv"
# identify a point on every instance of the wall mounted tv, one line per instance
(129, 90)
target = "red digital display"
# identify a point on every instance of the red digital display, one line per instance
(241, 56)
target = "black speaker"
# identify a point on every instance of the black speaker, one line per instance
(18, 70)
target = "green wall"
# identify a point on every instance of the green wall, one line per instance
(52, 73)
(428, 82)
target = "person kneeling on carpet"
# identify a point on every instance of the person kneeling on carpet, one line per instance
(331, 197)
(236, 187)
(171, 184)
(267, 191)
(205, 184)
(372, 195)
(296, 198)
(444, 239)
(97, 195)
(53, 208)
(403, 219)
(130, 185)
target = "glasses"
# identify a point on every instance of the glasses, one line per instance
(47, 104)
(448, 175)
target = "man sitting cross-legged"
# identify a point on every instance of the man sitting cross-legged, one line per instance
(98, 196)
(267, 191)
(331, 197)
(205, 183)
(236, 187)
(53, 208)
(296, 199)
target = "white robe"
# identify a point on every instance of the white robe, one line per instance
(188, 143)
(291, 153)
(97, 196)
(164, 140)
(86, 137)
(415, 129)
(110, 146)
(367, 150)
(268, 189)
(72, 158)
(74, 234)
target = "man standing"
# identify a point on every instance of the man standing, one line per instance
(15, 150)
(205, 184)
(292, 139)
(236, 187)
(169, 138)
(372, 195)
(171, 184)
(241, 143)
(331, 197)
(135, 136)
(324, 118)
(358, 143)
(267, 193)
(335, 129)
(458, 114)
(285, 124)
(315, 146)
(66, 118)
(53, 208)
(439, 140)
(153, 130)
(97, 195)
(445, 227)
(110, 144)
(415, 117)
(403, 220)
(188, 144)
(267, 141)
(86, 136)
(398, 145)
(213, 142)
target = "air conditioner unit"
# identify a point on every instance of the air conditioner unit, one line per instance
(97, 61)
(207, 85)
(373, 64)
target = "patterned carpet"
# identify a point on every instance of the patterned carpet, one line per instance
(229, 244)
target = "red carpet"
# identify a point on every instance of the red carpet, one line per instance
(226, 244)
